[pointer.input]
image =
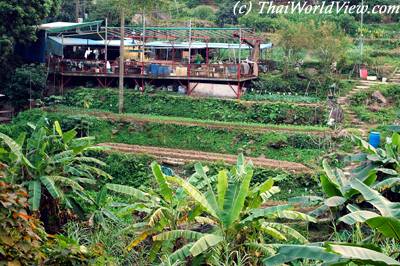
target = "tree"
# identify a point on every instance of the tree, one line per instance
(295, 39)
(331, 44)
(18, 21)
(225, 13)
(103, 9)
(22, 235)
(163, 209)
(28, 82)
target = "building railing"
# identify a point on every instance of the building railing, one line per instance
(155, 68)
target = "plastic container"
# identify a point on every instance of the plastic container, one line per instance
(162, 71)
(154, 69)
(375, 139)
(363, 73)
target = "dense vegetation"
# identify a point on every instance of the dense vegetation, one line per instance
(370, 109)
(65, 200)
(299, 147)
(212, 109)
(198, 219)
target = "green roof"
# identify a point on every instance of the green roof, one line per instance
(75, 26)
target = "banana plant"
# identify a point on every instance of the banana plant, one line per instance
(338, 187)
(100, 211)
(385, 218)
(51, 163)
(330, 254)
(161, 209)
(234, 215)
(384, 162)
(379, 170)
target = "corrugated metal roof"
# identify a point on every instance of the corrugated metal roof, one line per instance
(80, 41)
(57, 24)
(156, 44)
(60, 26)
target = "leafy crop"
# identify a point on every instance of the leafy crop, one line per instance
(212, 109)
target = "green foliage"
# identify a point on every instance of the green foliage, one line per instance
(330, 253)
(28, 82)
(234, 207)
(369, 110)
(225, 14)
(18, 25)
(292, 88)
(103, 9)
(260, 23)
(62, 250)
(278, 97)
(203, 12)
(21, 235)
(53, 165)
(291, 146)
(387, 221)
(331, 44)
(212, 109)
(127, 169)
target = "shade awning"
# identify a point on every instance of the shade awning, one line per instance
(155, 44)
(56, 27)
(83, 42)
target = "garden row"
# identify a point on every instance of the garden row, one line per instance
(295, 147)
(199, 108)
(145, 118)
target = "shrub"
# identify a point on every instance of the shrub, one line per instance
(21, 235)
(127, 169)
(204, 13)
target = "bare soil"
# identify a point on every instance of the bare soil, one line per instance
(179, 157)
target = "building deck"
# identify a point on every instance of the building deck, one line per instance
(150, 77)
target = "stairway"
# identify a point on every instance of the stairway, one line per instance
(351, 117)
(396, 77)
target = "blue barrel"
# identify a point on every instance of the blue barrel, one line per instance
(154, 69)
(375, 139)
(164, 70)
(161, 70)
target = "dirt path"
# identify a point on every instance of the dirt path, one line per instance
(131, 118)
(177, 156)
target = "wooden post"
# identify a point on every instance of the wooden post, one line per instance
(77, 10)
(121, 64)
(190, 56)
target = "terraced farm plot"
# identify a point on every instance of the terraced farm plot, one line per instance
(223, 138)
